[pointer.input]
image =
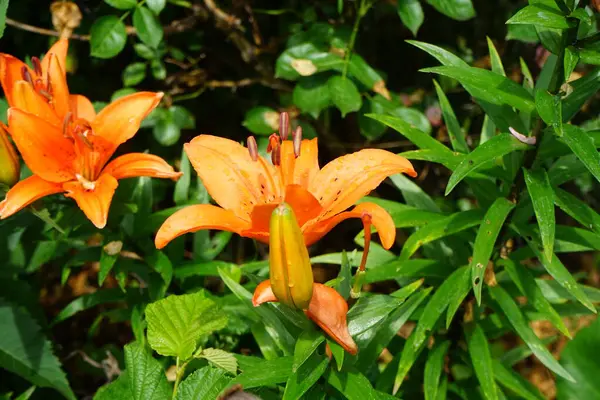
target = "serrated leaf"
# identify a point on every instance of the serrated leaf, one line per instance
(433, 369)
(457, 136)
(220, 358)
(541, 15)
(411, 14)
(542, 197)
(147, 380)
(498, 146)
(460, 10)
(203, 384)
(517, 320)
(344, 94)
(481, 357)
(26, 352)
(107, 37)
(583, 146)
(117, 389)
(176, 323)
(485, 240)
(147, 26)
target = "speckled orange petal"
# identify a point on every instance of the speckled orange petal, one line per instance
(328, 309)
(59, 89)
(196, 217)
(348, 178)
(44, 148)
(58, 50)
(82, 107)
(380, 218)
(140, 164)
(26, 192)
(94, 203)
(10, 73)
(306, 166)
(232, 178)
(27, 99)
(120, 120)
(304, 204)
(263, 294)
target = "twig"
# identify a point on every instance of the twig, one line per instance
(41, 31)
(222, 16)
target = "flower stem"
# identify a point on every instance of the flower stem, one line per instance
(363, 8)
(178, 376)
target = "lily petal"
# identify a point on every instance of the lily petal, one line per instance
(345, 180)
(27, 99)
(11, 72)
(380, 218)
(328, 310)
(231, 177)
(95, 202)
(263, 294)
(140, 164)
(82, 107)
(196, 217)
(58, 50)
(304, 168)
(26, 192)
(58, 86)
(45, 150)
(120, 120)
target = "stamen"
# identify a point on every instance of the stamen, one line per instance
(273, 142)
(65, 126)
(44, 93)
(252, 148)
(26, 75)
(284, 123)
(366, 220)
(297, 140)
(87, 185)
(276, 156)
(37, 65)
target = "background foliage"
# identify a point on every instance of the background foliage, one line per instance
(495, 268)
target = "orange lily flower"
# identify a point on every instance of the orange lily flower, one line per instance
(248, 187)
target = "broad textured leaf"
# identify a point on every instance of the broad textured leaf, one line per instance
(515, 382)
(147, 26)
(481, 357)
(498, 146)
(147, 380)
(489, 86)
(301, 380)
(485, 240)
(542, 197)
(517, 320)
(344, 94)
(460, 10)
(220, 358)
(457, 136)
(117, 389)
(584, 148)
(542, 15)
(411, 14)
(107, 37)
(433, 370)
(203, 384)
(577, 209)
(177, 322)
(25, 351)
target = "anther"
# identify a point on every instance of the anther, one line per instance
(26, 75)
(284, 123)
(66, 120)
(297, 140)
(273, 142)
(276, 156)
(252, 148)
(37, 65)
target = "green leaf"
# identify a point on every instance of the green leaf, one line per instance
(411, 14)
(344, 284)
(541, 15)
(571, 59)
(485, 240)
(433, 369)
(147, 26)
(311, 95)
(176, 323)
(584, 148)
(265, 372)
(307, 344)
(523, 33)
(542, 197)
(545, 103)
(353, 385)
(344, 94)
(165, 130)
(203, 384)
(489, 86)
(261, 120)
(450, 160)
(481, 357)
(578, 360)
(108, 257)
(107, 37)
(117, 389)
(360, 70)
(515, 382)
(220, 358)
(460, 10)
(498, 146)
(456, 297)
(3, 9)
(457, 136)
(305, 376)
(438, 229)
(495, 59)
(583, 89)
(413, 194)
(525, 282)
(156, 5)
(134, 73)
(305, 60)
(517, 320)
(414, 118)
(147, 380)
(158, 69)
(90, 300)
(369, 311)
(577, 209)
(25, 351)
(442, 55)
(121, 4)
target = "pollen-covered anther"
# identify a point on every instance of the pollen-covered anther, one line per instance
(252, 148)
(273, 142)
(37, 65)
(297, 140)
(276, 156)
(284, 123)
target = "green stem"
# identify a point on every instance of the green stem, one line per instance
(178, 376)
(362, 11)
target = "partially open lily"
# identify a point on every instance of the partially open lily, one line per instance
(70, 156)
(248, 187)
(292, 284)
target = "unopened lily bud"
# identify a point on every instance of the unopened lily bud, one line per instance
(10, 167)
(290, 271)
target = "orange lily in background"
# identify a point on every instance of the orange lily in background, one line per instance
(291, 280)
(248, 187)
(71, 156)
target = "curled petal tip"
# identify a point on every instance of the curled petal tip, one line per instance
(263, 294)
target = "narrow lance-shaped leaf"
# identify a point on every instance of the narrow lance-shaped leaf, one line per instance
(301, 380)
(307, 344)
(542, 197)
(457, 136)
(485, 240)
(577, 209)
(583, 89)
(517, 320)
(583, 146)
(542, 15)
(433, 370)
(515, 382)
(497, 146)
(495, 59)
(458, 295)
(411, 14)
(481, 357)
